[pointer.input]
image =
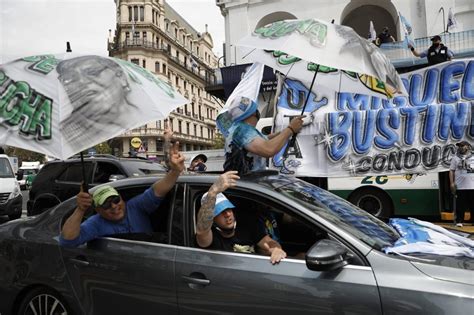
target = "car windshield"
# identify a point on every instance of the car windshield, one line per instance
(5, 169)
(141, 167)
(340, 212)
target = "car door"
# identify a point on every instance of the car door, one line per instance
(211, 281)
(127, 276)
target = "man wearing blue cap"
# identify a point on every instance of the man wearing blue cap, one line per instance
(114, 215)
(247, 148)
(436, 53)
(217, 226)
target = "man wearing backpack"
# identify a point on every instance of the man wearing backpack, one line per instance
(246, 148)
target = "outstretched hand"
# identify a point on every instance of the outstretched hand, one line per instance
(276, 253)
(225, 181)
(176, 158)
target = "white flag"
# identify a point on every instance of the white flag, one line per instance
(407, 30)
(373, 34)
(452, 23)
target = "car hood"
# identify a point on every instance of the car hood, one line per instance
(454, 269)
(7, 184)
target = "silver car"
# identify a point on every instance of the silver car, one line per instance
(344, 270)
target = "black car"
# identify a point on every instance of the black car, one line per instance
(345, 270)
(60, 180)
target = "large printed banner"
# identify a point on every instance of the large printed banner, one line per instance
(348, 134)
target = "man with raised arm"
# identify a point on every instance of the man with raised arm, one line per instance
(217, 226)
(114, 215)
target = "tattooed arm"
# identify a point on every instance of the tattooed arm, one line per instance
(206, 212)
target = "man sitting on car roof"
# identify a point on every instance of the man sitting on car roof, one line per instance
(114, 215)
(217, 227)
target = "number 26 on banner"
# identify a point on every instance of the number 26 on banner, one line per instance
(378, 180)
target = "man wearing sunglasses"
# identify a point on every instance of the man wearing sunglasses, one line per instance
(114, 215)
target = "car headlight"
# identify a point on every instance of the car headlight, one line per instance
(16, 191)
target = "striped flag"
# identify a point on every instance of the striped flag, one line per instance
(452, 23)
(407, 30)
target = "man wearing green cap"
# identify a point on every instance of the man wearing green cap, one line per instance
(114, 215)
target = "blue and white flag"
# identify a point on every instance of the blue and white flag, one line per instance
(407, 30)
(424, 237)
(193, 62)
(373, 34)
(452, 23)
(243, 100)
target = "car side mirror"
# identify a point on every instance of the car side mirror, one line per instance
(326, 255)
(19, 175)
(115, 177)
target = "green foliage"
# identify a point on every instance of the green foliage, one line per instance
(103, 148)
(25, 155)
(219, 141)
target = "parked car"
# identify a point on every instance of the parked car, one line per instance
(59, 180)
(345, 270)
(28, 171)
(11, 198)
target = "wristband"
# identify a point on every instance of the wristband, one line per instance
(292, 130)
(412, 49)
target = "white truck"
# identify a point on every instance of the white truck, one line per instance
(11, 199)
(28, 171)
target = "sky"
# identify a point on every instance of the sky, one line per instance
(29, 27)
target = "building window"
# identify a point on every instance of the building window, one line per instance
(185, 84)
(176, 33)
(197, 51)
(199, 92)
(130, 14)
(158, 124)
(187, 128)
(191, 45)
(177, 81)
(135, 61)
(184, 40)
(188, 147)
(199, 111)
(192, 109)
(177, 55)
(144, 63)
(195, 130)
(165, 123)
(159, 145)
(167, 26)
(164, 70)
(153, 16)
(207, 112)
(171, 124)
(180, 128)
(157, 67)
(202, 134)
(135, 13)
(186, 109)
(144, 37)
(142, 13)
(127, 36)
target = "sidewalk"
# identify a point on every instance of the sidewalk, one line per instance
(467, 227)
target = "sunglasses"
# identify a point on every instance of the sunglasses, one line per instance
(111, 200)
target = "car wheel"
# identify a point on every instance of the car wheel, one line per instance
(374, 201)
(42, 300)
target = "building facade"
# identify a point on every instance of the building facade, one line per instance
(428, 17)
(151, 34)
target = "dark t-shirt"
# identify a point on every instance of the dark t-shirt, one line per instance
(247, 235)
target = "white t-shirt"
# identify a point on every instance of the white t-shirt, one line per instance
(463, 167)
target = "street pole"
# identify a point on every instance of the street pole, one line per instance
(444, 22)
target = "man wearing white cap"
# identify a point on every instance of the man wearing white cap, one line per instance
(114, 215)
(217, 226)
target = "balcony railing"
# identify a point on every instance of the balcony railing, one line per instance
(141, 43)
(210, 121)
(461, 43)
(137, 132)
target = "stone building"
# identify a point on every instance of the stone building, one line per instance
(153, 35)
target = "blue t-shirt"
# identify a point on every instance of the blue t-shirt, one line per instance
(136, 220)
(242, 134)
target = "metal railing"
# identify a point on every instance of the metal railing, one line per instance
(461, 43)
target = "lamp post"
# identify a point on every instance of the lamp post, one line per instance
(444, 22)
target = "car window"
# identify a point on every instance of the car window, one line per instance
(103, 171)
(73, 172)
(295, 233)
(340, 212)
(177, 224)
(142, 167)
(5, 168)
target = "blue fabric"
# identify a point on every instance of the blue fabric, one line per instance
(410, 231)
(221, 206)
(242, 134)
(136, 220)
